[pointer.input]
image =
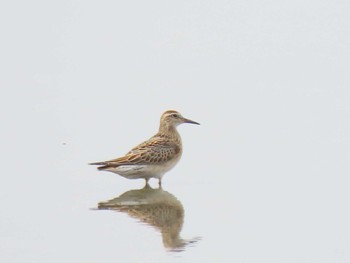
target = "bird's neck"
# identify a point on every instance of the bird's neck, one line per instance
(169, 131)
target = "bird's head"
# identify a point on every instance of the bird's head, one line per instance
(174, 118)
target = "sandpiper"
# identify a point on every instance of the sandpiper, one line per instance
(154, 157)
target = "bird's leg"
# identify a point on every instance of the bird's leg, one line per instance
(146, 180)
(160, 182)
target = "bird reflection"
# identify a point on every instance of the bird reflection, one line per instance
(155, 207)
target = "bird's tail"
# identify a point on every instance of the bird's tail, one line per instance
(104, 165)
(98, 163)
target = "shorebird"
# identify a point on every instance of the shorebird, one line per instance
(154, 157)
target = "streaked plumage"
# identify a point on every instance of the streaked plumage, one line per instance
(154, 157)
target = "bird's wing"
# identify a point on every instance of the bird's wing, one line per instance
(152, 151)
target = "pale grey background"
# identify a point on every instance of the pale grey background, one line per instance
(265, 178)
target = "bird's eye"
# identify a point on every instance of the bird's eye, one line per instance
(175, 115)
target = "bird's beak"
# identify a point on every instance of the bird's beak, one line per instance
(189, 121)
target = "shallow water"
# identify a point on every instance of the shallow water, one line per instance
(65, 210)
